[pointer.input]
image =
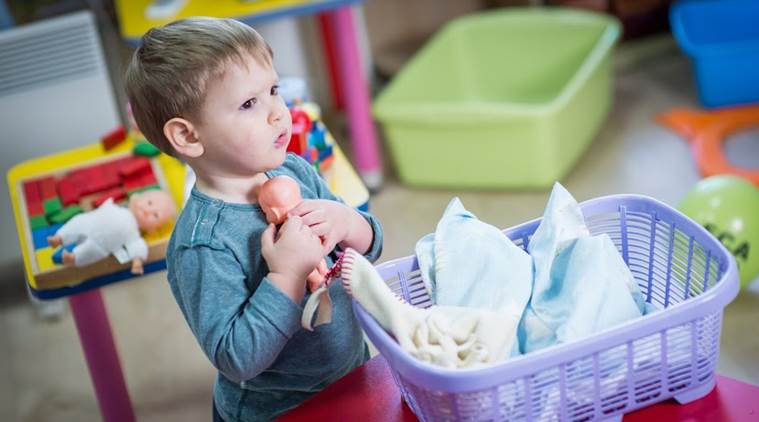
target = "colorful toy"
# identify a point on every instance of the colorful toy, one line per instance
(707, 131)
(728, 206)
(115, 230)
(277, 197)
(309, 137)
(66, 187)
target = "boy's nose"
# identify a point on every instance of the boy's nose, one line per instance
(276, 114)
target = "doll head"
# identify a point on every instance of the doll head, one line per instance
(151, 209)
(277, 196)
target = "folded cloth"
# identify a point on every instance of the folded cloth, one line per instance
(467, 262)
(448, 336)
(581, 284)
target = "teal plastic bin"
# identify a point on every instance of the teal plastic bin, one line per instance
(502, 99)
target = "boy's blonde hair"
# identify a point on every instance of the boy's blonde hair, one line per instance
(169, 73)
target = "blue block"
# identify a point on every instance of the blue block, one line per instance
(317, 136)
(326, 152)
(58, 255)
(39, 237)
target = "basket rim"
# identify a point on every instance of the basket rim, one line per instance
(468, 380)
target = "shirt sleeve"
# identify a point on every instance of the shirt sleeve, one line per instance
(240, 331)
(317, 183)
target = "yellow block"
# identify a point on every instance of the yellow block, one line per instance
(44, 259)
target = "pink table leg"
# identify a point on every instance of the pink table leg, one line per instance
(354, 87)
(102, 358)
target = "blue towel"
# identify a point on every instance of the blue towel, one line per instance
(581, 284)
(470, 263)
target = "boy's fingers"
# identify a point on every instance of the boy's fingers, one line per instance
(313, 217)
(303, 208)
(267, 237)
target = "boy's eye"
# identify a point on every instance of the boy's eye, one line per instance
(248, 104)
(275, 90)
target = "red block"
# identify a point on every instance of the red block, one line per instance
(117, 194)
(98, 179)
(32, 192)
(140, 180)
(35, 208)
(47, 188)
(113, 138)
(136, 165)
(298, 139)
(69, 191)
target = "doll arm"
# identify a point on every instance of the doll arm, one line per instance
(137, 248)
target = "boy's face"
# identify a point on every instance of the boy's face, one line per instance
(244, 124)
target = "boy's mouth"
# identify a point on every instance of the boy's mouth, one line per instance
(282, 140)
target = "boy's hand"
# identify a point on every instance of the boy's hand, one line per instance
(291, 256)
(330, 220)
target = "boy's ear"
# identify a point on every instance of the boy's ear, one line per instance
(183, 137)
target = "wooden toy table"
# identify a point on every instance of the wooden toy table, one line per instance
(369, 394)
(341, 51)
(39, 193)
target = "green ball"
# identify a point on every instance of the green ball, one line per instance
(728, 206)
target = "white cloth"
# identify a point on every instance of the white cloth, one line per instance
(109, 229)
(448, 336)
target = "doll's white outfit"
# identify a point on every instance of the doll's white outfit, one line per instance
(108, 230)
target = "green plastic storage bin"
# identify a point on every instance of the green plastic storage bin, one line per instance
(501, 99)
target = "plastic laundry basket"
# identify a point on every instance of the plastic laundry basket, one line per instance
(502, 99)
(673, 352)
(722, 39)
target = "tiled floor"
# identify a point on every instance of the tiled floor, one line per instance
(43, 373)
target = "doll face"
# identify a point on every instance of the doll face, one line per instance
(279, 195)
(152, 209)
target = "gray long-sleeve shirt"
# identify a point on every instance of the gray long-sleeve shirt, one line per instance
(248, 328)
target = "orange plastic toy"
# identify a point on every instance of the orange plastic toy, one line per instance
(707, 130)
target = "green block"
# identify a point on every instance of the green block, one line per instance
(143, 189)
(52, 206)
(146, 149)
(65, 214)
(37, 222)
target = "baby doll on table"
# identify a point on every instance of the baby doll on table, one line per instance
(114, 230)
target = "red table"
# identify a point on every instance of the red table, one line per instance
(369, 394)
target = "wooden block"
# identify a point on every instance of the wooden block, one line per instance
(37, 222)
(140, 180)
(137, 165)
(113, 138)
(68, 191)
(34, 209)
(39, 237)
(47, 188)
(117, 194)
(32, 193)
(44, 259)
(52, 206)
(146, 149)
(65, 214)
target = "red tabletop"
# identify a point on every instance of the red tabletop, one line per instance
(369, 394)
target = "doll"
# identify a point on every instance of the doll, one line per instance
(114, 230)
(277, 197)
